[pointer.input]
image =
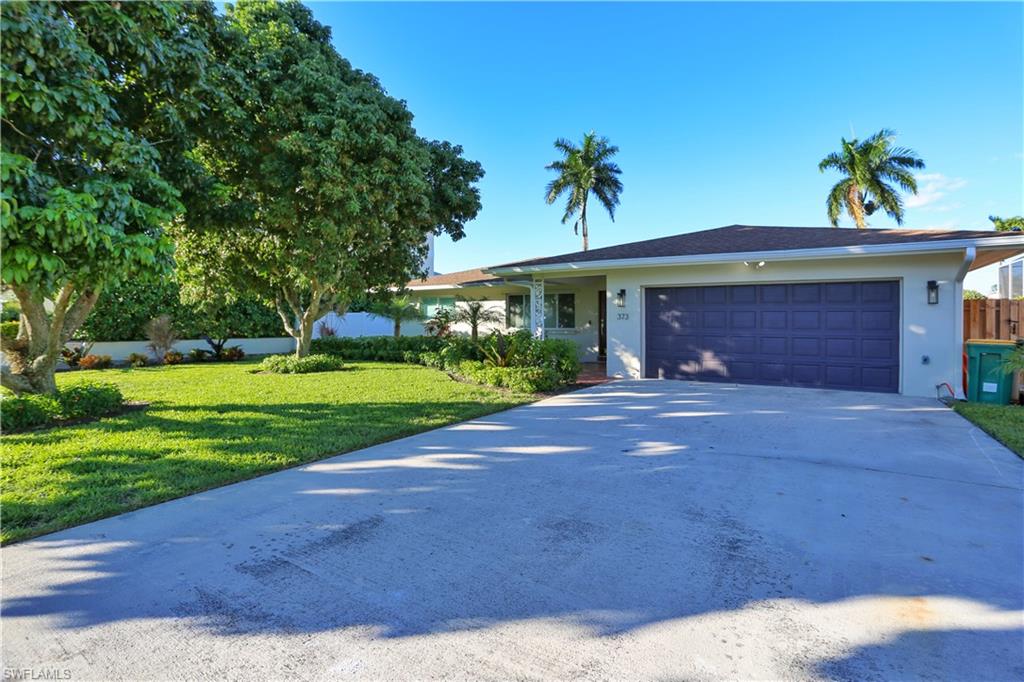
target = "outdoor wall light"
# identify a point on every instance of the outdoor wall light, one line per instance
(933, 292)
(620, 298)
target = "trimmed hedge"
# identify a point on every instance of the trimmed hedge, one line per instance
(82, 401)
(289, 364)
(381, 348)
(121, 313)
(533, 366)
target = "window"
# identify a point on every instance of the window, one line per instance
(516, 311)
(559, 311)
(429, 305)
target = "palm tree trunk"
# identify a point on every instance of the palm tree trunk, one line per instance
(583, 220)
(398, 327)
(855, 206)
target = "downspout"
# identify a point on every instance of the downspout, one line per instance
(970, 254)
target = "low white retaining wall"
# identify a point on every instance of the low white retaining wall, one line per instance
(120, 350)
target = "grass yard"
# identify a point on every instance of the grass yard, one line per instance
(1005, 423)
(212, 424)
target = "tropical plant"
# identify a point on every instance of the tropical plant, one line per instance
(72, 355)
(100, 103)
(1011, 224)
(441, 323)
(137, 360)
(974, 295)
(476, 313)
(398, 310)
(326, 330)
(581, 171)
(869, 166)
(326, 190)
(161, 334)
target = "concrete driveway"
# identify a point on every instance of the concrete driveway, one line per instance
(633, 530)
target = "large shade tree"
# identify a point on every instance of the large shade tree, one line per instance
(870, 168)
(326, 191)
(582, 171)
(99, 104)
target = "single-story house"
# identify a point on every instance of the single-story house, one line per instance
(868, 310)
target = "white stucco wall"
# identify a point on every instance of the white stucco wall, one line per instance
(927, 330)
(120, 350)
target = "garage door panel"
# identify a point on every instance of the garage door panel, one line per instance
(842, 335)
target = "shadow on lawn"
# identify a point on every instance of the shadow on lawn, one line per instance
(185, 454)
(612, 529)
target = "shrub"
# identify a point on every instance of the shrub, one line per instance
(289, 364)
(138, 359)
(199, 354)
(519, 379)
(89, 400)
(76, 402)
(91, 361)
(522, 350)
(173, 357)
(73, 355)
(27, 411)
(161, 335)
(9, 330)
(382, 348)
(11, 312)
(232, 353)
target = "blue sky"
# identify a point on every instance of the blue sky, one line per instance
(721, 112)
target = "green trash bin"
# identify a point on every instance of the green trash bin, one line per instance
(988, 381)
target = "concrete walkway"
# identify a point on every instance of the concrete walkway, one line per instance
(632, 530)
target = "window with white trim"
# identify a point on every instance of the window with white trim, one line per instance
(517, 311)
(429, 305)
(560, 311)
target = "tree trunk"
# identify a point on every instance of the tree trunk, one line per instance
(583, 219)
(398, 327)
(856, 207)
(32, 356)
(473, 332)
(304, 341)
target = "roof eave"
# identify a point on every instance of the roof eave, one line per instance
(782, 254)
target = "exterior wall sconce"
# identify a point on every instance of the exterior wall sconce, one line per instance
(757, 266)
(933, 292)
(620, 298)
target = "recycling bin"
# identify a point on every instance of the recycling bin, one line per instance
(988, 380)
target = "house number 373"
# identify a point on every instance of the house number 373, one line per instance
(622, 316)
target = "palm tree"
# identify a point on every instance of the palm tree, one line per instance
(869, 167)
(476, 313)
(583, 170)
(398, 310)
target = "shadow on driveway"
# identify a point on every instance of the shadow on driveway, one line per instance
(635, 529)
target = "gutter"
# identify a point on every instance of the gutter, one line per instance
(970, 254)
(946, 246)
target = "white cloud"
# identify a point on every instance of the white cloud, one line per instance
(931, 188)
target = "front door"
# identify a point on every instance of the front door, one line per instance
(602, 324)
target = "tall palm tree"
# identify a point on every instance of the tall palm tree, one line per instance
(398, 310)
(584, 170)
(869, 166)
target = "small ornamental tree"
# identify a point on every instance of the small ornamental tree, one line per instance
(326, 191)
(94, 119)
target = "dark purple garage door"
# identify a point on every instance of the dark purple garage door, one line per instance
(843, 335)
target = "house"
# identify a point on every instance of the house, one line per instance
(1011, 278)
(867, 310)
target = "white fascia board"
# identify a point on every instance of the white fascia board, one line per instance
(945, 246)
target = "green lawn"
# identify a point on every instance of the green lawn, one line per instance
(212, 424)
(1005, 423)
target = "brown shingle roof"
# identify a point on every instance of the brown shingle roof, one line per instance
(461, 278)
(748, 238)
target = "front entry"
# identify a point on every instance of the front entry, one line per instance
(602, 325)
(843, 335)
